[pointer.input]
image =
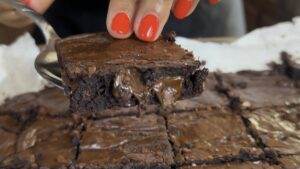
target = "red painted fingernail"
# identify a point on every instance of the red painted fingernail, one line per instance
(214, 2)
(148, 28)
(26, 2)
(121, 23)
(182, 8)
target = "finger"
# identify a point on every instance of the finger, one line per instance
(13, 18)
(120, 18)
(39, 6)
(214, 2)
(183, 8)
(151, 17)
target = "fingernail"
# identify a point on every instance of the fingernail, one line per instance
(26, 2)
(148, 28)
(182, 8)
(121, 23)
(214, 2)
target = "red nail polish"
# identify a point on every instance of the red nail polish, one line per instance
(121, 23)
(26, 2)
(214, 2)
(182, 8)
(148, 28)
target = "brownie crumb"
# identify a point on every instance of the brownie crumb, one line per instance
(171, 36)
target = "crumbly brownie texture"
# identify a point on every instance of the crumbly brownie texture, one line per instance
(206, 135)
(247, 165)
(126, 142)
(7, 144)
(209, 99)
(260, 89)
(290, 162)
(100, 72)
(278, 128)
(47, 142)
(50, 102)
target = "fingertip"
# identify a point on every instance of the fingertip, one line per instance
(120, 25)
(182, 8)
(147, 29)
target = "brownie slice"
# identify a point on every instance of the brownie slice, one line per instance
(278, 128)
(10, 124)
(101, 72)
(46, 143)
(213, 136)
(290, 162)
(247, 165)
(260, 89)
(7, 144)
(24, 108)
(125, 142)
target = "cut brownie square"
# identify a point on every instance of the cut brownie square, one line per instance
(24, 108)
(201, 136)
(261, 89)
(101, 72)
(278, 128)
(247, 165)
(7, 144)
(46, 143)
(290, 162)
(123, 142)
(10, 124)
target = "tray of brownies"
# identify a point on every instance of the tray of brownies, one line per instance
(130, 104)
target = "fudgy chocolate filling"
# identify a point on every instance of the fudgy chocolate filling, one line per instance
(128, 84)
(168, 90)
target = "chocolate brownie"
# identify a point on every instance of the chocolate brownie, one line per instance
(278, 127)
(7, 144)
(47, 143)
(290, 162)
(291, 67)
(206, 136)
(247, 165)
(209, 99)
(121, 142)
(23, 108)
(101, 72)
(260, 89)
(10, 124)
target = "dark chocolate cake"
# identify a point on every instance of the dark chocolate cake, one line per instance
(100, 72)
(247, 120)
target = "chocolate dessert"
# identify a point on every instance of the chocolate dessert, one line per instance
(204, 136)
(125, 142)
(290, 162)
(247, 165)
(278, 128)
(23, 108)
(260, 89)
(100, 72)
(47, 143)
(7, 144)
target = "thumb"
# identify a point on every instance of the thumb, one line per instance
(39, 6)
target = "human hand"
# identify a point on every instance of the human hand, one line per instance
(145, 18)
(12, 18)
